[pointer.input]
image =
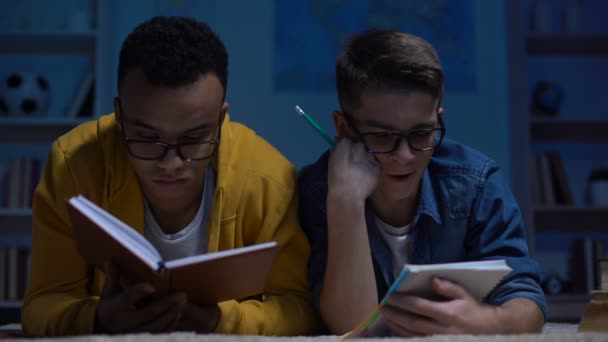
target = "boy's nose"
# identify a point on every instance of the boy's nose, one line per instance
(172, 161)
(404, 152)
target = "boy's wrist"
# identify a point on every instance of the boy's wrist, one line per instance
(497, 325)
(344, 201)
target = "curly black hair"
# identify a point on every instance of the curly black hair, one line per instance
(173, 51)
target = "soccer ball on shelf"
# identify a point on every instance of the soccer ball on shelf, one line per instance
(24, 94)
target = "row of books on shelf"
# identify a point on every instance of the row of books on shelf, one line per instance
(587, 270)
(20, 178)
(587, 263)
(14, 270)
(549, 182)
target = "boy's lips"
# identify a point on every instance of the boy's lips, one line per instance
(169, 181)
(400, 177)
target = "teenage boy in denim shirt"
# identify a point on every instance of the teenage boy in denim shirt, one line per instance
(395, 191)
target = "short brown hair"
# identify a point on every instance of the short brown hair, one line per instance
(387, 60)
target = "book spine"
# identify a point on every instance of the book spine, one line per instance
(395, 285)
(162, 282)
(589, 270)
(547, 179)
(3, 273)
(13, 272)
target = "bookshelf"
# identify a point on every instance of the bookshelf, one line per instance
(59, 42)
(16, 222)
(28, 137)
(34, 131)
(563, 218)
(10, 312)
(11, 304)
(573, 131)
(528, 131)
(566, 308)
(582, 45)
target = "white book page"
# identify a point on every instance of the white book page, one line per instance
(120, 231)
(217, 255)
(483, 264)
(479, 278)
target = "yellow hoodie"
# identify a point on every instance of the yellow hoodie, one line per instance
(254, 201)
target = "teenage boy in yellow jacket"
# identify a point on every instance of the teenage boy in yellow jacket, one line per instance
(169, 163)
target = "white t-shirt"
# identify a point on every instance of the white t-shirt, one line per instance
(192, 240)
(397, 239)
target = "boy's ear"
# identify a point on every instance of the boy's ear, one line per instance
(117, 112)
(223, 112)
(340, 124)
(440, 111)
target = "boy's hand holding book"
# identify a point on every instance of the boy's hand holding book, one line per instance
(459, 313)
(422, 301)
(206, 278)
(162, 295)
(136, 308)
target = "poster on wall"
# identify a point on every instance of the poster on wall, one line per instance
(180, 7)
(309, 35)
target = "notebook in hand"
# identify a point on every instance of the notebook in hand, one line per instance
(478, 277)
(207, 278)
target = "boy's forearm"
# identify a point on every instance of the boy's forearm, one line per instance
(349, 292)
(519, 316)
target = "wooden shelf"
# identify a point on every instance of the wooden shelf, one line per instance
(10, 304)
(578, 45)
(47, 42)
(10, 313)
(34, 131)
(569, 218)
(15, 222)
(566, 307)
(578, 131)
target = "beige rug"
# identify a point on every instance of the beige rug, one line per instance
(188, 337)
(551, 332)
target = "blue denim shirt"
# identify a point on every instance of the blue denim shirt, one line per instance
(465, 212)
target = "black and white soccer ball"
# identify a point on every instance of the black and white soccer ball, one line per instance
(24, 93)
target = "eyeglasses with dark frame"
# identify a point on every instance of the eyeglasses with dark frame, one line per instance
(421, 139)
(152, 150)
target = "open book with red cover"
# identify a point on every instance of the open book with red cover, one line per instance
(207, 278)
(478, 277)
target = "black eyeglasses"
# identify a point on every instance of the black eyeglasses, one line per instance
(152, 150)
(422, 139)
